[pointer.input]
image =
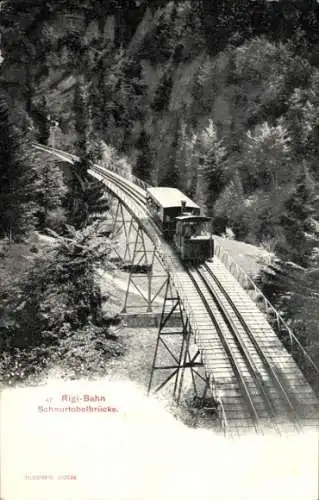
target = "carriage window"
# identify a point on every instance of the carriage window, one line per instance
(188, 231)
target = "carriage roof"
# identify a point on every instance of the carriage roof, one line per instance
(170, 197)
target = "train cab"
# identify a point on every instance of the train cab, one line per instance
(193, 237)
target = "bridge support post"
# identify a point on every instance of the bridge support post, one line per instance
(139, 266)
(121, 229)
(174, 351)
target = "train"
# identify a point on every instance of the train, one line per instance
(180, 220)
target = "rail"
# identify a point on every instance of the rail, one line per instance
(254, 342)
(193, 273)
(112, 167)
(117, 170)
(276, 320)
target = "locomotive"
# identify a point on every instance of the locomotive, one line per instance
(181, 223)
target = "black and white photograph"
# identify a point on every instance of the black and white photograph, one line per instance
(159, 249)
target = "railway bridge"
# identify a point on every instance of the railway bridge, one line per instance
(227, 333)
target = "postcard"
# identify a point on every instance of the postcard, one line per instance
(159, 250)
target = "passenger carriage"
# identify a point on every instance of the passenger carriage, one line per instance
(165, 204)
(180, 222)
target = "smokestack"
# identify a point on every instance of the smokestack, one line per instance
(183, 203)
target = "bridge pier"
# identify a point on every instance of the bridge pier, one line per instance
(136, 255)
(141, 276)
(174, 351)
(121, 223)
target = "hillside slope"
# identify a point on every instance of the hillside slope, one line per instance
(188, 106)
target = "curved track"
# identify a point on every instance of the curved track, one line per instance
(262, 388)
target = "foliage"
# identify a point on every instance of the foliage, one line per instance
(51, 191)
(41, 117)
(186, 160)
(266, 161)
(81, 111)
(229, 210)
(158, 44)
(144, 159)
(57, 306)
(172, 176)
(283, 20)
(17, 178)
(294, 290)
(263, 216)
(298, 219)
(163, 92)
(302, 118)
(87, 200)
(212, 169)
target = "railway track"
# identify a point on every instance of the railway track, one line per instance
(267, 399)
(132, 191)
(269, 404)
(285, 382)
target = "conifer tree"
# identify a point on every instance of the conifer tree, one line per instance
(163, 93)
(43, 118)
(229, 208)
(50, 190)
(266, 160)
(184, 161)
(17, 177)
(298, 220)
(212, 173)
(144, 160)
(88, 143)
(172, 175)
(190, 157)
(87, 196)
(81, 111)
(86, 200)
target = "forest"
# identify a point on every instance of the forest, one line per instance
(217, 98)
